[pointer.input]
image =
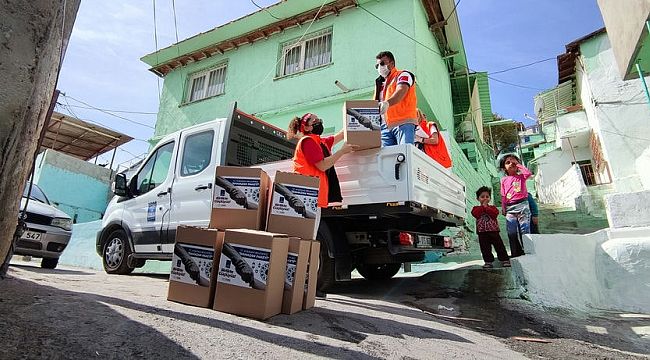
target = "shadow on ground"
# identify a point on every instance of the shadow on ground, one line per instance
(476, 299)
(39, 321)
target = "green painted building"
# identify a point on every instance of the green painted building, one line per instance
(277, 64)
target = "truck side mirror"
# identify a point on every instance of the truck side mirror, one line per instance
(121, 188)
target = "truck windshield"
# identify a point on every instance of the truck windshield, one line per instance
(37, 194)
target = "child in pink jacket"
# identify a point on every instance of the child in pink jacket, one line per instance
(514, 202)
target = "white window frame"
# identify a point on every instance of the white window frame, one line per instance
(206, 74)
(288, 46)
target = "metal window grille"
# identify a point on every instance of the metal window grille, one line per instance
(314, 51)
(208, 83)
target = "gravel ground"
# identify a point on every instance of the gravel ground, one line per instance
(77, 313)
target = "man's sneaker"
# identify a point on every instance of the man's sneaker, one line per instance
(320, 294)
(487, 266)
(505, 263)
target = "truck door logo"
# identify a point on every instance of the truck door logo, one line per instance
(151, 212)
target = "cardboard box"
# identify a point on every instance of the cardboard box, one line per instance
(312, 276)
(296, 275)
(293, 208)
(251, 273)
(239, 198)
(192, 277)
(361, 123)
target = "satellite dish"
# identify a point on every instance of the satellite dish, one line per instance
(539, 107)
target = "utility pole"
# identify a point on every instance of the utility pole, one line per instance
(35, 34)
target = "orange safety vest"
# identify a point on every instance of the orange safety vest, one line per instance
(302, 166)
(405, 109)
(437, 152)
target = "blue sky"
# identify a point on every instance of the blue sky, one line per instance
(103, 68)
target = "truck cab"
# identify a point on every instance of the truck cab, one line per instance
(173, 186)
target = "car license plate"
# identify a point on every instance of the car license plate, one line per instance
(31, 235)
(424, 241)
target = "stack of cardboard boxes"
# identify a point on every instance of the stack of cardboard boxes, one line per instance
(258, 257)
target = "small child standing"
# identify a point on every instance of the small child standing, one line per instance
(487, 228)
(514, 202)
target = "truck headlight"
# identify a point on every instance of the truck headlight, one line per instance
(63, 223)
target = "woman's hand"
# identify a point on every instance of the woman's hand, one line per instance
(347, 148)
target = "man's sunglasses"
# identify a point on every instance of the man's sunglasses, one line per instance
(381, 63)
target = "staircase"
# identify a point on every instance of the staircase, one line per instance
(559, 220)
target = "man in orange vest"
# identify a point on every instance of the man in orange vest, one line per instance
(395, 91)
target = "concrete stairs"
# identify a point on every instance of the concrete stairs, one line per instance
(593, 201)
(560, 220)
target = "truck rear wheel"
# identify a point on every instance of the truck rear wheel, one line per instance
(376, 272)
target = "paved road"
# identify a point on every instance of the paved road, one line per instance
(75, 313)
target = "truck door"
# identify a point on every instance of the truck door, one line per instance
(193, 180)
(151, 203)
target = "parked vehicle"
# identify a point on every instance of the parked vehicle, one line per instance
(396, 199)
(48, 229)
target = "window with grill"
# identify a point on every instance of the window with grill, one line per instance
(313, 51)
(207, 84)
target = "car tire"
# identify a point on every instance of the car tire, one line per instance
(377, 272)
(49, 263)
(115, 253)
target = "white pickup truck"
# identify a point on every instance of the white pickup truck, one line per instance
(395, 199)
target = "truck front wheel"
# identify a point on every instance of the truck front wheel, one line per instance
(376, 272)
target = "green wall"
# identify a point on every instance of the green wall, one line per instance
(250, 79)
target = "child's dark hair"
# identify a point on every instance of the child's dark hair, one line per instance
(502, 162)
(483, 189)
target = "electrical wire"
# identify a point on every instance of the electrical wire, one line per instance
(265, 9)
(452, 11)
(515, 85)
(284, 53)
(155, 40)
(521, 66)
(437, 53)
(107, 112)
(70, 112)
(115, 111)
(175, 24)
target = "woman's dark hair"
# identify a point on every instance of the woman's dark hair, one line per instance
(387, 54)
(294, 128)
(502, 162)
(483, 189)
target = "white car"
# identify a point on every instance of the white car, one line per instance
(48, 229)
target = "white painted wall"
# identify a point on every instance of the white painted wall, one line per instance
(571, 123)
(605, 270)
(562, 191)
(555, 164)
(617, 110)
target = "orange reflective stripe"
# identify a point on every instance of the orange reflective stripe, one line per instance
(303, 167)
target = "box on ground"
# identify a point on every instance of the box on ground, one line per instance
(294, 290)
(312, 276)
(251, 273)
(239, 198)
(362, 123)
(294, 207)
(192, 277)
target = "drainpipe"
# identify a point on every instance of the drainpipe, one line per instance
(640, 71)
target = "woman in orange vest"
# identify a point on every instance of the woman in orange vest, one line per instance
(313, 155)
(429, 140)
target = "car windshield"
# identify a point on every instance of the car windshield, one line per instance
(36, 194)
